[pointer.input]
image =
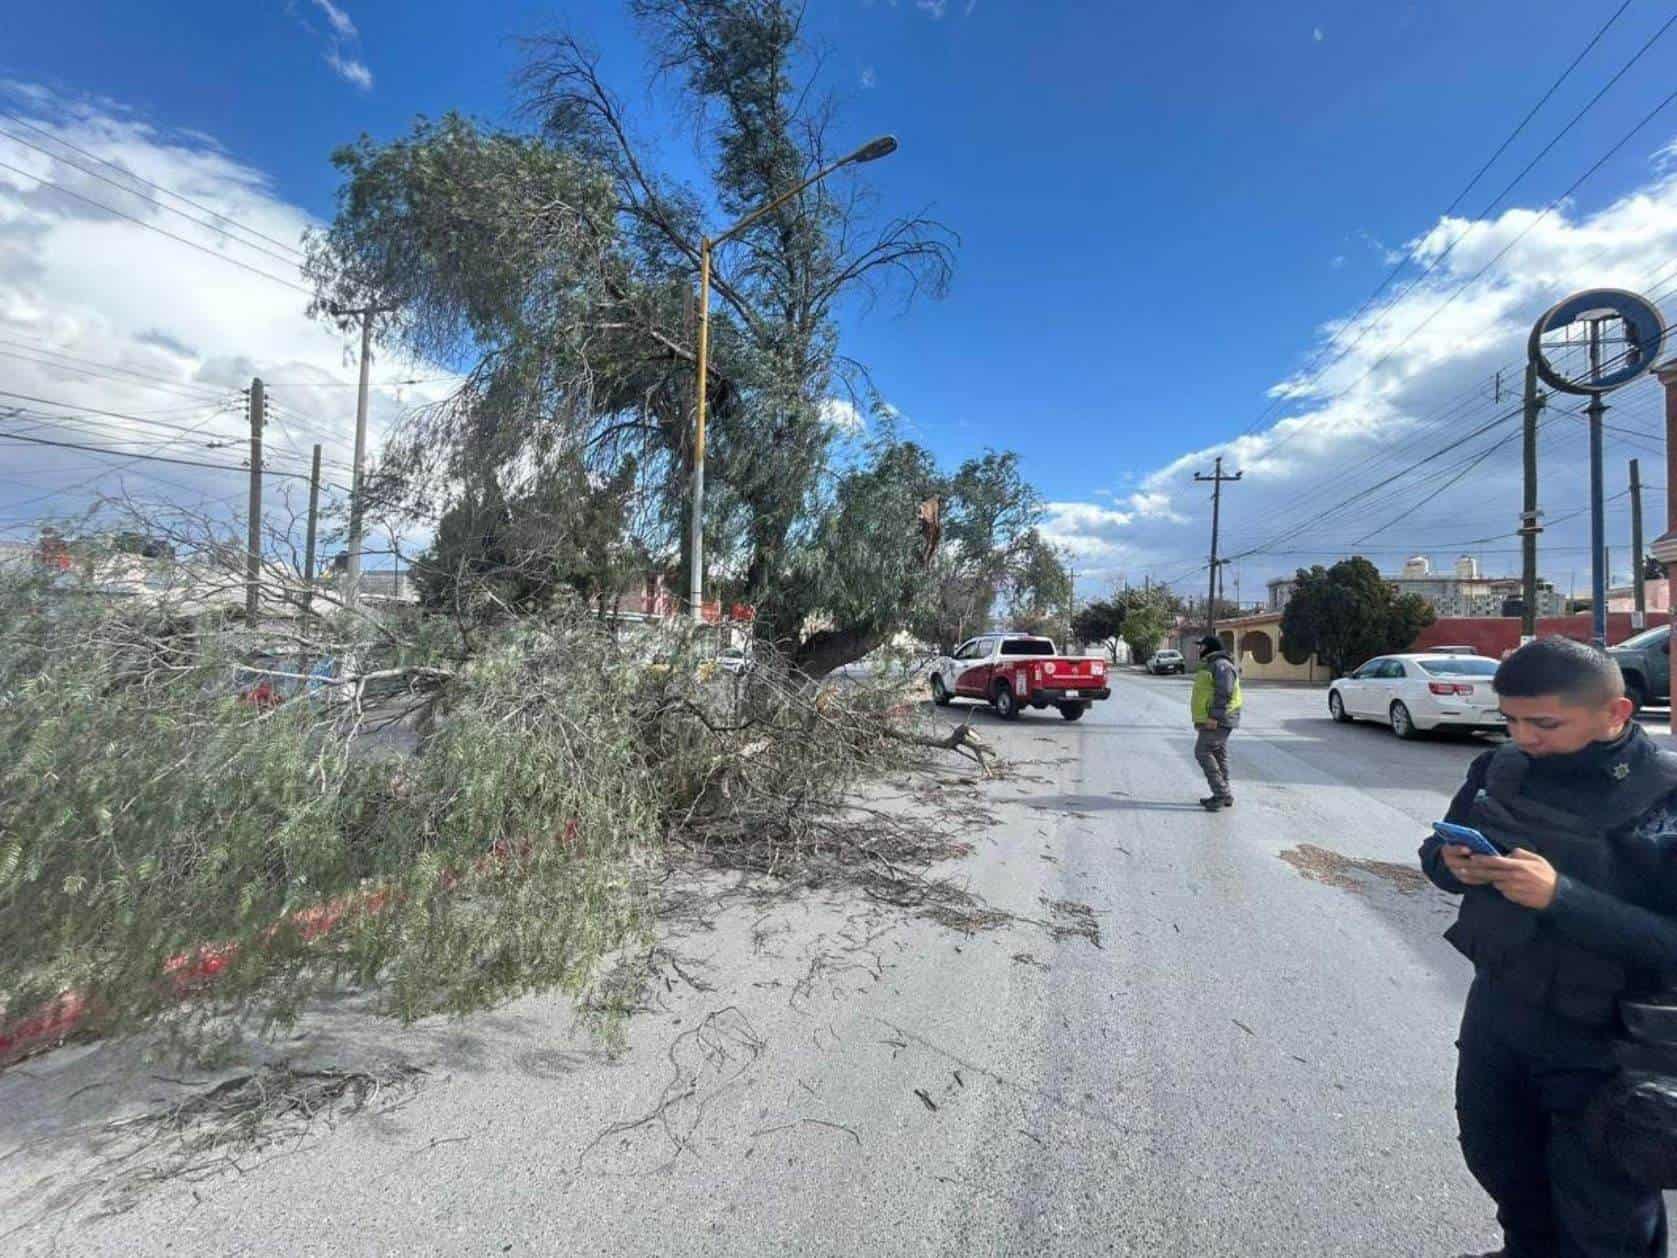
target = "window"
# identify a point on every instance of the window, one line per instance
(1647, 638)
(1460, 666)
(1258, 646)
(1392, 670)
(1368, 670)
(1027, 646)
(968, 650)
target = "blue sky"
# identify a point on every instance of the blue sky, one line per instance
(1160, 208)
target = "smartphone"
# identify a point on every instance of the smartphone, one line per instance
(1466, 836)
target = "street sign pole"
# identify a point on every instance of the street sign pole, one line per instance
(1641, 330)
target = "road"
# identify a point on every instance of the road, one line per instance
(1255, 1057)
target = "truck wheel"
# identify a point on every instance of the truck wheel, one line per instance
(1073, 711)
(940, 692)
(1007, 707)
(1637, 695)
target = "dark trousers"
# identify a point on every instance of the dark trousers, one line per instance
(1523, 1079)
(1211, 749)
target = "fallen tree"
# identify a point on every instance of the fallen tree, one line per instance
(442, 814)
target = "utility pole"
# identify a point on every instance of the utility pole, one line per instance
(1217, 480)
(253, 555)
(1529, 516)
(1637, 556)
(365, 314)
(308, 551)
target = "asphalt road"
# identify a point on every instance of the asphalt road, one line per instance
(1254, 1058)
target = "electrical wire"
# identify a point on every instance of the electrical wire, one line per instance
(192, 244)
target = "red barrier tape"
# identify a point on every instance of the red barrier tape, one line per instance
(190, 972)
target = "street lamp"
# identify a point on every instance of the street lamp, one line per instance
(874, 149)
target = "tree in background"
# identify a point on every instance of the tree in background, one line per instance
(1348, 613)
(990, 546)
(1149, 614)
(1100, 621)
(1040, 589)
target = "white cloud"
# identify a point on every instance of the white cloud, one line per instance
(1373, 397)
(341, 31)
(841, 413)
(350, 70)
(937, 8)
(338, 20)
(105, 315)
(869, 78)
(1338, 261)
(1317, 35)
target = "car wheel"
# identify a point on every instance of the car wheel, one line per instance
(1403, 725)
(1336, 708)
(1007, 707)
(1073, 711)
(940, 692)
(1637, 696)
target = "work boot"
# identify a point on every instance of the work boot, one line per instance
(1213, 803)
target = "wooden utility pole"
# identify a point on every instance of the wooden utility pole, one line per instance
(1217, 480)
(1529, 515)
(253, 555)
(314, 515)
(356, 508)
(1638, 559)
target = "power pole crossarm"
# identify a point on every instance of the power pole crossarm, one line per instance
(1217, 480)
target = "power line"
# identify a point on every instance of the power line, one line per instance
(169, 209)
(191, 244)
(1459, 198)
(56, 139)
(156, 458)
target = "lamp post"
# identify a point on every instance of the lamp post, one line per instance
(884, 146)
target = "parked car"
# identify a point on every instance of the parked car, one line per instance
(1417, 693)
(1161, 662)
(1012, 671)
(735, 659)
(1645, 660)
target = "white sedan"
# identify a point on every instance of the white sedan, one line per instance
(1416, 693)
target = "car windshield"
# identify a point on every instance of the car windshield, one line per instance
(1027, 646)
(1459, 666)
(1648, 637)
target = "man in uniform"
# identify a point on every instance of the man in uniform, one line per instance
(1581, 910)
(1215, 707)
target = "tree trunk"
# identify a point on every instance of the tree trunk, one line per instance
(821, 653)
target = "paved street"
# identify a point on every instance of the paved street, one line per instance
(1255, 1058)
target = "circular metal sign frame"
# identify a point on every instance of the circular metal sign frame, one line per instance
(1642, 321)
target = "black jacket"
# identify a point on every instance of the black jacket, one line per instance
(1628, 916)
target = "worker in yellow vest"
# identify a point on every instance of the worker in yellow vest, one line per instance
(1215, 705)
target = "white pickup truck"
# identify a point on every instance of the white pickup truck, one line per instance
(1013, 671)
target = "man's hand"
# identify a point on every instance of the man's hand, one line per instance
(1522, 877)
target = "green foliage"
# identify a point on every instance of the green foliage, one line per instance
(1148, 617)
(1101, 620)
(567, 532)
(488, 824)
(1348, 613)
(990, 546)
(558, 268)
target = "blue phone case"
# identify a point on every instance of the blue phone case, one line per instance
(1465, 836)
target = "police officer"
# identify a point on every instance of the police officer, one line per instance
(1580, 911)
(1215, 706)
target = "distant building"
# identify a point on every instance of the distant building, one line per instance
(1465, 591)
